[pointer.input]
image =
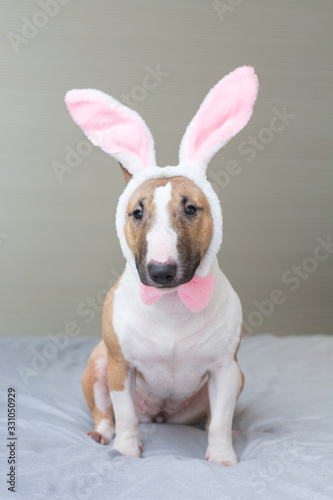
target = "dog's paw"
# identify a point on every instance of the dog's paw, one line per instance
(99, 437)
(226, 457)
(131, 447)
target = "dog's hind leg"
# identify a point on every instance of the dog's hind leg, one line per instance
(96, 392)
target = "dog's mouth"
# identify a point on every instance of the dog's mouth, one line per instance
(167, 275)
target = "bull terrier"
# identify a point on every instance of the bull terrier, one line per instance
(172, 322)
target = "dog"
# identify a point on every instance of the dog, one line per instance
(172, 322)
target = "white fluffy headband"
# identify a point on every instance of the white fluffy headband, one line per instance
(121, 132)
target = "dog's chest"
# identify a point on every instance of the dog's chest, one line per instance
(174, 370)
(171, 348)
(170, 356)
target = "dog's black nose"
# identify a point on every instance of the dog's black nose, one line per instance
(162, 273)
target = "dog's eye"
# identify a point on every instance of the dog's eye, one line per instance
(137, 214)
(190, 210)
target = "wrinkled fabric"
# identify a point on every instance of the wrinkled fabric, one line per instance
(283, 429)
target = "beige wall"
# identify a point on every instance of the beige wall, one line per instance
(58, 245)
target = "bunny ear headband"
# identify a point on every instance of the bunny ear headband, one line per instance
(121, 132)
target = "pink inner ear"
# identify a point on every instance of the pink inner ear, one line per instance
(109, 125)
(224, 112)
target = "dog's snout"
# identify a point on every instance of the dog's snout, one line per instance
(162, 273)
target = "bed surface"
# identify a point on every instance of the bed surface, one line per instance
(283, 430)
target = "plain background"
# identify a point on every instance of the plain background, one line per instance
(58, 246)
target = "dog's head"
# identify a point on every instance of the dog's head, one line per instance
(169, 220)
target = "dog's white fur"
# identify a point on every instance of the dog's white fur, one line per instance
(186, 361)
(175, 349)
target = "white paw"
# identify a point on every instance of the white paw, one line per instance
(224, 456)
(103, 432)
(130, 447)
(100, 438)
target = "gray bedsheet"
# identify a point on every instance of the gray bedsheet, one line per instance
(282, 430)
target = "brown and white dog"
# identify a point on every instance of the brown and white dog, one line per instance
(172, 322)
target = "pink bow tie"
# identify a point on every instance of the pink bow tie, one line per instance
(195, 294)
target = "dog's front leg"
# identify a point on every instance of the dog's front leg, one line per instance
(223, 386)
(127, 426)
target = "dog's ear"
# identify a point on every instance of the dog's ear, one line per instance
(126, 173)
(224, 112)
(115, 128)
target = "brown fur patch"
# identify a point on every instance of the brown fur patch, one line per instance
(140, 375)
(194, 233)
(89, 378)
(127, 175)
(118, 367)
